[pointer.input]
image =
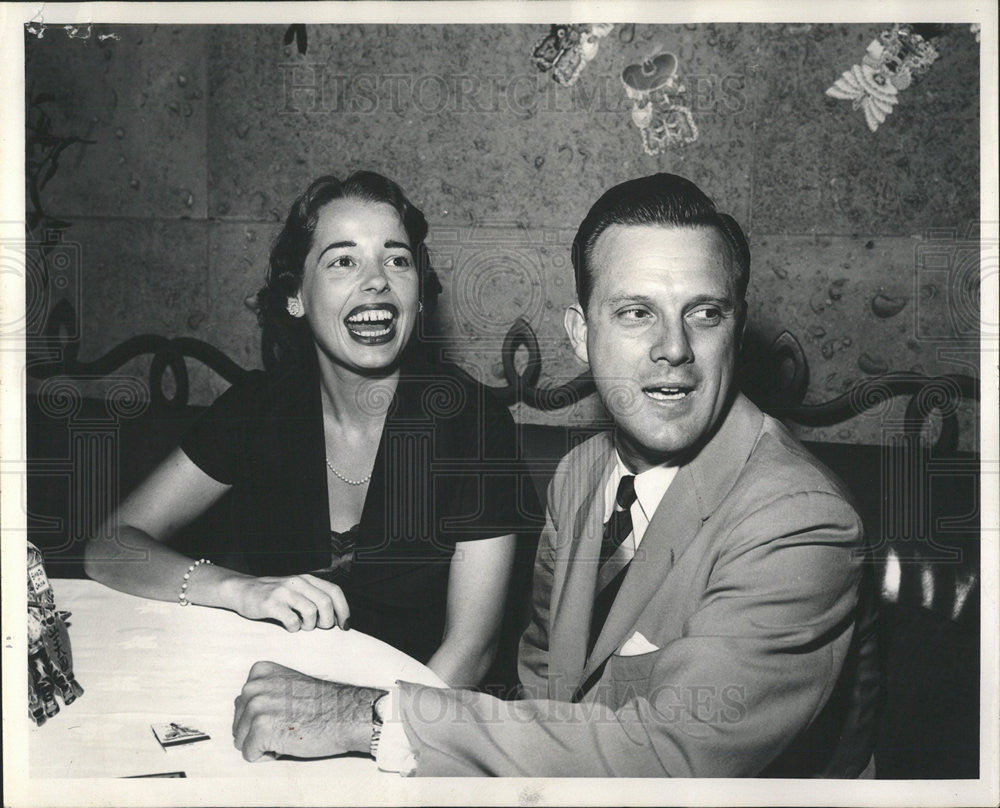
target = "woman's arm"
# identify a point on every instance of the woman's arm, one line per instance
(128, 554)
(477, 593)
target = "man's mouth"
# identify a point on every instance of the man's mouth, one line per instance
(668, 392)
(372, 323)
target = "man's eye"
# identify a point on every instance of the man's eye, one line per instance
(709, 314)
(634, 314)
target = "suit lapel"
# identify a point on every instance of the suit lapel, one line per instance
(675, 523)
(692, 497)
(575, 573)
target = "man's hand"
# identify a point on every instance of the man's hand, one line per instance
(286, 712)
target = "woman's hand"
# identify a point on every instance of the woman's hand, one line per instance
(297, 601)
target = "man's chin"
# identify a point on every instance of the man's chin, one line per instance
(655, 449)
(658, 441)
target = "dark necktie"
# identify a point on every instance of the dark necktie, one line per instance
(616, 530)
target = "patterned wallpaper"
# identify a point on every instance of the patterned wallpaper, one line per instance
(199, 137)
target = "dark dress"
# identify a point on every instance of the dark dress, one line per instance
(447, 471)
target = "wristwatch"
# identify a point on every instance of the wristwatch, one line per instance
(377, 724)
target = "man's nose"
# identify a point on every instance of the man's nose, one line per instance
(672, 345)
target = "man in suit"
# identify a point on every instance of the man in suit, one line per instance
(698, 602)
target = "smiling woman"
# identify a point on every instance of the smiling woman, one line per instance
(371, 487)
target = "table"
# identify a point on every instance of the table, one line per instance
(144, 662)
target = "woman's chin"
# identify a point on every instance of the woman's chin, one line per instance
(367, 356)
(371, 360)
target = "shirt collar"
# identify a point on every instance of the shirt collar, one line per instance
(650, 485)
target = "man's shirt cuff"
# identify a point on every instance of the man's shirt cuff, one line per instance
(394, 752)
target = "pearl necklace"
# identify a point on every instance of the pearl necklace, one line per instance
(347, 480)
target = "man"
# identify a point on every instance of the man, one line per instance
(698, 608)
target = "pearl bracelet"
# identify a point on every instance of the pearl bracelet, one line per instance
(182, 597)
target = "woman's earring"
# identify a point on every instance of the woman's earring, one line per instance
(294, 307)
(420, 307)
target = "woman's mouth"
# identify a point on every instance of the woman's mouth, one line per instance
(372, 323)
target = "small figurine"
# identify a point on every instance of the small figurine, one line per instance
(652, 86)
(566, 49)
(50, 658)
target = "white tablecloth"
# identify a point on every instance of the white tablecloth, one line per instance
(144, 662)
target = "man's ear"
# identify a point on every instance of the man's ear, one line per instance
(575, 322)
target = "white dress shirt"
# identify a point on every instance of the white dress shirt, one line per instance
(394, 753)
(650, 486)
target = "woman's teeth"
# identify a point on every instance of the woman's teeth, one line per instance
(371, 322)
(370, 316)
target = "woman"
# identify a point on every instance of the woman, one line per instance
(365, 481)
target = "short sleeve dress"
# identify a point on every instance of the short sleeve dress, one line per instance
(447, 471)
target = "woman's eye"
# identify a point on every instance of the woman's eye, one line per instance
(342, 262)
(399, 262)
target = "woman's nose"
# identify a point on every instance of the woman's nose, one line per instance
(375, 278)
(672, 345)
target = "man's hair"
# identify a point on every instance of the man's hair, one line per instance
(659, 199)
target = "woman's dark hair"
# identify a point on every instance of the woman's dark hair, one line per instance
(659, 199)
(288, 339)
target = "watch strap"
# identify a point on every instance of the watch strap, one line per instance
(377, 724)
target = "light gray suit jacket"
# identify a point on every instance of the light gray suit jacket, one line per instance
(748, 588)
